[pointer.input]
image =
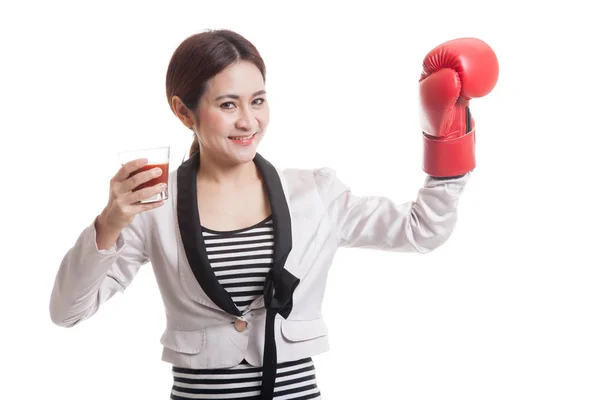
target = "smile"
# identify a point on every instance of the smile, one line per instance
(242, 138)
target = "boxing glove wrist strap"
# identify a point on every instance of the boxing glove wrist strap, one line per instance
(447, 158)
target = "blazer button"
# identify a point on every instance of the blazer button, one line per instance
(240, 325)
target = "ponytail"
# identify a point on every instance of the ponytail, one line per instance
(195, 146)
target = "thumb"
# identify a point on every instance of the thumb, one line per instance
(439, 93)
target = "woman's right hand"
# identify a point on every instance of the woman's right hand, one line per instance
(124, 203)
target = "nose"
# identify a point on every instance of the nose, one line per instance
(247, 120)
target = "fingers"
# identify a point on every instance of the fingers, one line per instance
(141, 207)
(143, 194)
(139, 178)
(127, 205)
(128, 168)
(124, 203)
(149, 206)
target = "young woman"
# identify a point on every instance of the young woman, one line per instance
(241, 250)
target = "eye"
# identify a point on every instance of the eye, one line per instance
(258, 101)
(228, 105)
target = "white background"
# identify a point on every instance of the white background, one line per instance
(507, 309)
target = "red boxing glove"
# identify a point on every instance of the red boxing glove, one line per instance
(453, 73)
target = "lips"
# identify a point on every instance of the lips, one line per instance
(246, 138)
(242, 137)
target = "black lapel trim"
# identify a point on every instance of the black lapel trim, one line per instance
(282, 225)
(191, 236)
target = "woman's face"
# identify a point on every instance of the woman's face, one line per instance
(233, 114)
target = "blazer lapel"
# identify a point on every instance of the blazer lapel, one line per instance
(191, 236)
(282, 225)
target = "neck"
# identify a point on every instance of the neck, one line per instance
(219, 172)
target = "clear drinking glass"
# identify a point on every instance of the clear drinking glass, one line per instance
(158, 157)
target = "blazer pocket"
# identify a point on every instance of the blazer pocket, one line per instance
(187, 342)
(300, 330)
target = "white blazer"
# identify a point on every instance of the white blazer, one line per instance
(313, 212)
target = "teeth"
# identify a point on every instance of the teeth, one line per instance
(242, 137)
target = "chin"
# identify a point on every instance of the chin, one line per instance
(246, 158)
(242, 156)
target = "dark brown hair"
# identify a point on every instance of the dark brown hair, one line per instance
(199, 58)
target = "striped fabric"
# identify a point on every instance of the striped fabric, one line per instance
(294, 380)
(241, 260)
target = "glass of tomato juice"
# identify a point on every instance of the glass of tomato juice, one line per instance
(158, 157)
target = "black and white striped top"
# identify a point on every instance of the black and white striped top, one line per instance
(241, 260)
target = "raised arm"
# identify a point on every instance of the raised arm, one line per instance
(453, 73)
(109, 252)
(379, 223)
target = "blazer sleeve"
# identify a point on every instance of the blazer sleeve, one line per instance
(378, 223)
(88, 277)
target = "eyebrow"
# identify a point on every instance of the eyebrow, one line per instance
(235, 96)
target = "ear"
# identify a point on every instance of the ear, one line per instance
(184, 114)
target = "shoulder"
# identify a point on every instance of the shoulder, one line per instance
(323, 179)
(308, 174)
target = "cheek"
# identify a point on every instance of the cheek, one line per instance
(263, 116)
(214, 122)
